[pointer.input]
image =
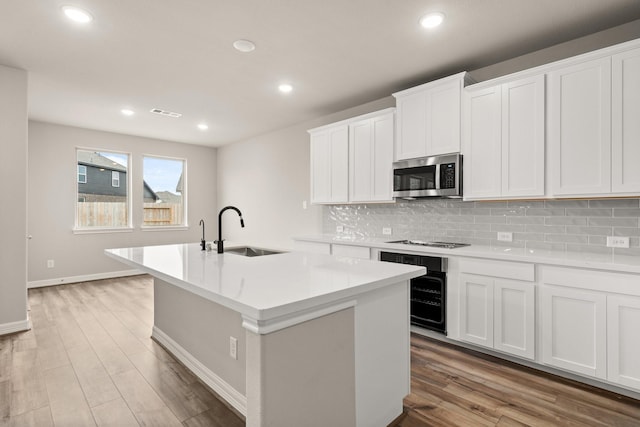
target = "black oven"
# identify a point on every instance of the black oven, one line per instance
(428, 293)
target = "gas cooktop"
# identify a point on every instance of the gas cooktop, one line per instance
(443, 245)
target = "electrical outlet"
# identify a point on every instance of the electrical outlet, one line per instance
(505, 236)
(386, 231)
(339, 228)
(51, 263)
(617, 242)
(233, 348)
(304, 204)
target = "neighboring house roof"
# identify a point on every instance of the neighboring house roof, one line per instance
(93, 158)
(179, 188)
(169, 197)
(150, 191)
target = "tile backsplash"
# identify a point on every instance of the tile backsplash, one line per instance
(565, 225)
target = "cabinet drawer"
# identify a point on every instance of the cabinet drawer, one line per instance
(314, 247)
(351, 251)
(594, 280)
(503, 269)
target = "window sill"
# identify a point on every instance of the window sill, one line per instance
(164, 227)
(99, 230)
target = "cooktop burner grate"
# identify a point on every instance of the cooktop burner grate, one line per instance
(443, 245)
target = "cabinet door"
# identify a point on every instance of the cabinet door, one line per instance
(514, 318)
(580, 128)
(623, 326)
(382, 164)
(523, 137)
(412, 128)
(482, 143)
(371, 159)
(360, 160)
(476, 309)
(330, 165)
(626, 122)
(574, 330)
(320, 168)
(443, 119)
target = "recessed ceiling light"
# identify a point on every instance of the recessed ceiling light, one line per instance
(127, 112)
(244, 45)
(203, 126)
(285, 88)
(76, 14)
(432, 20)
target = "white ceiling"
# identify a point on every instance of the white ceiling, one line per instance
(178, 56)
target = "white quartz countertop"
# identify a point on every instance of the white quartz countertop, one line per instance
(265, 287)
(619, 263)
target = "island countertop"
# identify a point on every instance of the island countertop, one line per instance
(265, 288)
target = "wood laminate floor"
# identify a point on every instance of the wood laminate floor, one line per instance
(89, 361)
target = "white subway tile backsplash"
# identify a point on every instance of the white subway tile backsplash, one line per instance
(572, 225)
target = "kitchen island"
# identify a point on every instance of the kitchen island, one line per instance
(287, 339)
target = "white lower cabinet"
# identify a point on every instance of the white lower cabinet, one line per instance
(591, 323)
(574, 330)
(498, 312)
(623, 340)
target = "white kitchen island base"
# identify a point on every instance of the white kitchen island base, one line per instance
(338, 356)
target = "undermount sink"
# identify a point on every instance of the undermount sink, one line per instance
(251, 252)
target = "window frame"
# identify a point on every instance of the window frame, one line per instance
(185, 216)
(115, 174)
(128, 227)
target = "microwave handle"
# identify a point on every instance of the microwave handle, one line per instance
(437, 176)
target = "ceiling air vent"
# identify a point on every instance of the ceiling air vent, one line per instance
(165, 113)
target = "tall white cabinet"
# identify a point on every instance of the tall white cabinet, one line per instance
(330, 164)
(429, 118)
(351, 161)
(625, 130)
(503, 139)
(370, 158)
(580, 128)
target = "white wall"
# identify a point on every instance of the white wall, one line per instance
(52, 197)
(267, 178)
(13, 208)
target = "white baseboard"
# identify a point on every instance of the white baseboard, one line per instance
(12, 327)
(217, 384)
(83, 278)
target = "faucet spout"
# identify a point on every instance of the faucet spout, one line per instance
(203, 243)
(220, 241)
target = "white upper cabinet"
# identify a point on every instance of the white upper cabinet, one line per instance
(370, 159)
(626, 122)
(503, 139)
(351, 161)
(428, 118)
(580, 128)
(330, 164)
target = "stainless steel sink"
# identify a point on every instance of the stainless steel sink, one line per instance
(251, 252)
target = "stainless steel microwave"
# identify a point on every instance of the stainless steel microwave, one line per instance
(436, 176)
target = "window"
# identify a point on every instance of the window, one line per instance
(164, 191)
(103, 196)
(82, 174)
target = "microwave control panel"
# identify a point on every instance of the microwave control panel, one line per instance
(448, 175)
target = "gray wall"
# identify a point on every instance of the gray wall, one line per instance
(13, 211)
(52, 197)
(268, 176)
